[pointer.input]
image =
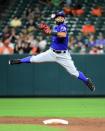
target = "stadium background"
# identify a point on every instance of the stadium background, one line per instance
(19, 37)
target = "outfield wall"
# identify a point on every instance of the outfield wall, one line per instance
(50, 79)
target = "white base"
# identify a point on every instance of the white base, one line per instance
(56, 121)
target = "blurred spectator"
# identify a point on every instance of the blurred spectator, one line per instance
(67, 10)
(97, 11)
(88, 28)
(18, 48)
(33, 43)
(31, 39)
(30, 25)
(28, 12)
(42, 44)
(15, 22)
(72, 42)
(25, 48)
(14, 35)
(100, 39)
(75, 11)
(31, 15)
(91, 40)
(6, 32)
(96, 50)
(76, 44)
(26, 44)
(6, 47)
(78, 10)
(37, 12)
(81, 45)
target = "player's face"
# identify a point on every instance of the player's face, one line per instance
(59, 19)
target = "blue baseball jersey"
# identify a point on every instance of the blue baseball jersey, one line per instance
(58, 43)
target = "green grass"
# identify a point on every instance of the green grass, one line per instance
(53, 107)
(16, 127)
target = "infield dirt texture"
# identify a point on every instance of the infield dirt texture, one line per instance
(28, 114)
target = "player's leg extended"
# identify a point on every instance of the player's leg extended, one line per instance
(68, 64)
(42, 57)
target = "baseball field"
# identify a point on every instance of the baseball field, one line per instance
(83, 114)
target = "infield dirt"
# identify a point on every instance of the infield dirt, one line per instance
(75, 124)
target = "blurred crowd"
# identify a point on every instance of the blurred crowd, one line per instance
(90, 44)
(19, 36)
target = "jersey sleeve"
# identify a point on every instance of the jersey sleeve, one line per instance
(63, 29)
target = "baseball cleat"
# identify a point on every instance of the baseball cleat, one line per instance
(16, 61)
(90, 85)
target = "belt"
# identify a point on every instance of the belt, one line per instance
(59, 51)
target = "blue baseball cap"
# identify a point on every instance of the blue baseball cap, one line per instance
(59, 14)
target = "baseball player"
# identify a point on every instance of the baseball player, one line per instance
(58, 51)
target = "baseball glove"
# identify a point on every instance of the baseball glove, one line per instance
(46, 29)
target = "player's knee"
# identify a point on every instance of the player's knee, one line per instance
(75, 74)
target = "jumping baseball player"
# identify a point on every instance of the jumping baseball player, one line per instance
(58, 51)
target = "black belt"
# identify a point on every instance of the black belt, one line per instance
(59, 51)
